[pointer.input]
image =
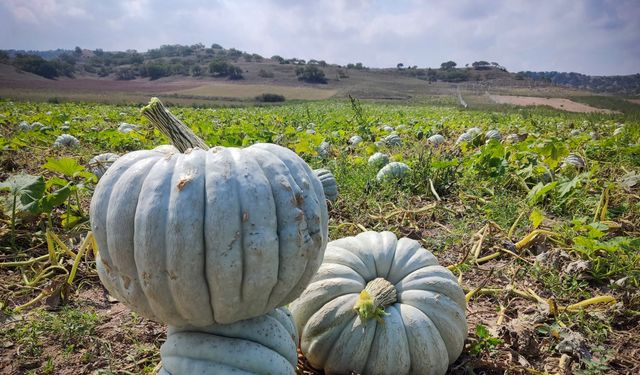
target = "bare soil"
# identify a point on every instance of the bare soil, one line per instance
(121, 341)
(558, 103)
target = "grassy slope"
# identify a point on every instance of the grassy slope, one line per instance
(629, 108)
(389, 85)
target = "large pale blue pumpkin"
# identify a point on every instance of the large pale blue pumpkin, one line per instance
(381, 305)
(201, 237)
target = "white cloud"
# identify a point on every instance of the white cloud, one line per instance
(590, 36)
(25, 15)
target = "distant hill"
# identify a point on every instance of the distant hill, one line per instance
(47, 55)
(628, 85)
(215, 62)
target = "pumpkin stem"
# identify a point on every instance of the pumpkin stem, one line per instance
(181, 136)
(378, 294)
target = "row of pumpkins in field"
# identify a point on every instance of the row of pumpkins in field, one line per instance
(392, 139)
(99, 163)
(215, 242)
(386, 169)
(397, 170)
(381, 161)
(68, 140)
(25, 126)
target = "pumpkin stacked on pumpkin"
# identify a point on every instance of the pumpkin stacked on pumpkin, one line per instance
(214, 242)
(204, 239)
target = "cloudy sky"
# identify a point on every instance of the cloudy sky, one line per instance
(591, 36)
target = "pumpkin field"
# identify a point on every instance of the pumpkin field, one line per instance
(535, 211)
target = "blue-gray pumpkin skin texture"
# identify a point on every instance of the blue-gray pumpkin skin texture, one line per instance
(422, 333)
(208, 237)
(263, 345)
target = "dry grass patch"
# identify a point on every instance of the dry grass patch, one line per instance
(233, 90)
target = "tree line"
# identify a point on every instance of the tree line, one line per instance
(199, 60)
(167, 60)
(627, 84)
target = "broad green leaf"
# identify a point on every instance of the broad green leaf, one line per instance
(28, 189)
(67, 166)
(87, 176)
(307, 144)
(56, 181)
(21, 183)
(597, 230)
(581, 242)
(567, 186)
(357, 160)
(370, 149)
(70, 220)
(247, 141)
(58, 197)
(553, 150)
(536, 217)
(526, 172)
(539, 191)
(482, 331)
(443, 164)
(397, 157)
(18, 143)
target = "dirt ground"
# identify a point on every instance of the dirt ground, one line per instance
(117, 340)
(558, 103)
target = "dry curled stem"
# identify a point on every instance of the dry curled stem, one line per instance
(378, 294)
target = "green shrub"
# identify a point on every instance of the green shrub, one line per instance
(270, 98)
(311, 74)
(265, 73)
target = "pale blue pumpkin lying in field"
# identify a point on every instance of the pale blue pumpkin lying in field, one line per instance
(381, 305)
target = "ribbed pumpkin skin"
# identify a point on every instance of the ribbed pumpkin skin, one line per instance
(378, 160)
(392, 170)
(465, 137)
(474, 131)
(329, 184)
(493, 134)
(436, 139)
(66, 140)
(211, 236)
(263, 345)
(355, 140)
(424, 331)
(392, 140)
(100, 163)
(574, 160)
